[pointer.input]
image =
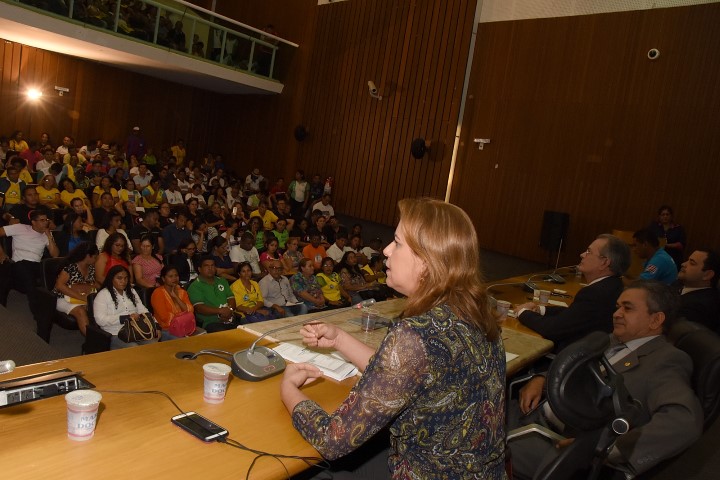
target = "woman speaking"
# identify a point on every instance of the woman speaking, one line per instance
(438, 377)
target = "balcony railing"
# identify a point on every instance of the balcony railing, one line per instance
(180, 27)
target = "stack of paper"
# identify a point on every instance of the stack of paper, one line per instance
(330, 366)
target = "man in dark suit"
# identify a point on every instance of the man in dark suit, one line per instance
(602, 265)
(699, 297)
(655, 373)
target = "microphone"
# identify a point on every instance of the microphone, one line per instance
(258, 362)
(6, 366)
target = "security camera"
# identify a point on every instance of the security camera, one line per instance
(372, 89)
(653, 54)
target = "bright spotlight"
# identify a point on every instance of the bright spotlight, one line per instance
(34, 94)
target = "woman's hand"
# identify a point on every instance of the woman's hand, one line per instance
(321, 335)
(300, 374)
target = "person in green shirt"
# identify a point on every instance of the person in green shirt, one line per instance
(212, 298)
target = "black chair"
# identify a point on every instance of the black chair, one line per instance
(703, 346)
(50, 270)
(589, 397)
(96, 339)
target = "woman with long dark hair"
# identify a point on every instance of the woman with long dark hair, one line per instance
(115, 252)
(438, 378)
(117, 298)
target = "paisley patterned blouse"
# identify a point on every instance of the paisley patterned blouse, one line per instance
(440, 384)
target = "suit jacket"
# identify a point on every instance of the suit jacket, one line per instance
(591, 310)
(658, 375)
(702, 306)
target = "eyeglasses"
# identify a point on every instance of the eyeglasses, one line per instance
(275, 268)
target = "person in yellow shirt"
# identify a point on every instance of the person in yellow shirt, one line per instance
(11, 188)
(178, 151)
(329, 281)
(69, 192)
(267, 216)
(248, 297)
(17, 143)
(104, 187)
(48, 193)
(152, 194)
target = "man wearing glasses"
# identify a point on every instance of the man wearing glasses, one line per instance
(29, 244)
(277, 292)
(602, 264)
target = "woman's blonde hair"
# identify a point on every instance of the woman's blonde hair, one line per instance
(444, 238)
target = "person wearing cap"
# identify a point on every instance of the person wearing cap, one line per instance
(135, 144)
(252, 181)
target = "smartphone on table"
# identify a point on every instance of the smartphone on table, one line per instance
(200, 427)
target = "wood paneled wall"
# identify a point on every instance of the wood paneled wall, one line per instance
(103, 101)
(415, 52)
(582, 122)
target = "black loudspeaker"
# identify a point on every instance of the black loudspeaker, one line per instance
(554, 229)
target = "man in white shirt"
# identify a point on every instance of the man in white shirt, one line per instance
(246, 252)
(338, 249)
(142, 179)
(277, 293)
(252, 181)
(173, 195)
(324, 206)
(29, 244)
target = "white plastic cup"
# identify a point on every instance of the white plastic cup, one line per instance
(82, 413)
(502, 307)
(544, 297)
(216, 376)
(368, 318)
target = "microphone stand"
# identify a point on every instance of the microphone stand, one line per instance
(258, 362)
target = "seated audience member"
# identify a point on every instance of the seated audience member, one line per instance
(301, 232)
(671, 232)
(277, 293)
(333, 229)
(253, 180)
(28, 246)
(338, 249)
(324, 206)
(173, 195)
(152, 194)
(12, 187)
(314, 251)
(219, 249)
(655, 373)
(353, 280)
(182, 182)
(69, 192)
(246, 252)
(78, 206)
(699, 297)
(216, 217)
(116, 299)
(130, 193)
(255, 227)
(267, 217)
(105, 187)
(212, 298)
(218, 196)
(43, 166)
(165, 215)
(102, 214)
(170, 300)
(72, 234)
(355, 244)
(277, 192)
(281, 233)
(143, 177)
(271, 253)
(306, 286)
(319, 228)
(148, 228)
(146, 265)
(48, 193)
(116, 251)
(196, 194)
(602, 265)
(184, 261)
(248, 297)
(373, 249)
(176, 232)
(331, 284)
(283, 212)
(30, 202)
(658, 265)
(202, 234)
(291, 258)
(114, 225)
(374, 270)
(75, 282)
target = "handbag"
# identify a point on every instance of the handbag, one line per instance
(182, 324)
(142, 328)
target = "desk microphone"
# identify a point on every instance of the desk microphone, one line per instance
(6, 366)
(258, 362)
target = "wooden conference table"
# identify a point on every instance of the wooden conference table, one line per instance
(134, 437)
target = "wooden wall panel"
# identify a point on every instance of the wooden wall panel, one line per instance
(415, 53)
(582, 122)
